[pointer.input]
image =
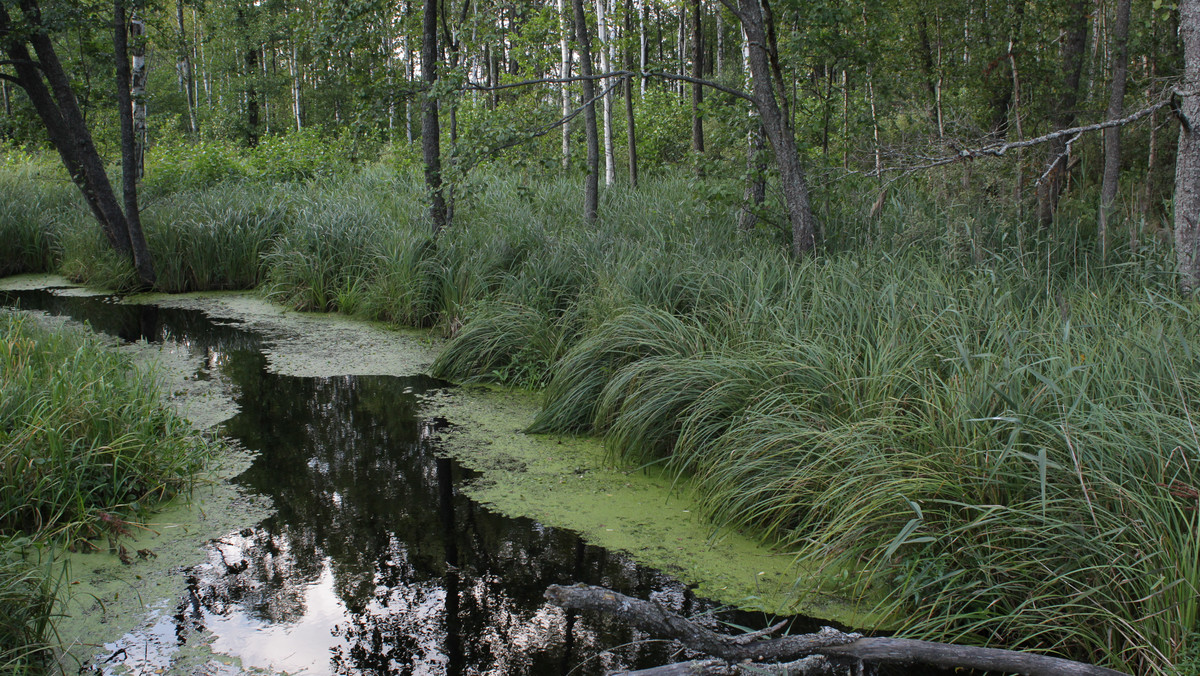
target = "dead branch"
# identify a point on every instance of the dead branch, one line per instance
(1000, 149)
(652, 618)
(814, 665)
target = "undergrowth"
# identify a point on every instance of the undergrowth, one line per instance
(85, 447)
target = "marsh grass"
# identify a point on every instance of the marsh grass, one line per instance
(85, 448)
(972, 426)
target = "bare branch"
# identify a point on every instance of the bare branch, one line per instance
(707, 83)
(999, 149)
(475, 86)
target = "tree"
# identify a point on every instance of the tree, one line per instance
(1187, 163)
(1050, 189)
(591, 188)
(431, 131)
(49, 89)
(763, 55)
(1116, 108)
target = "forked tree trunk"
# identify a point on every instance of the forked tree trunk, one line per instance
(59, 111)
(776, 126)
(1187, 163)
(1112, 136)
(431, 132)
(591, 188)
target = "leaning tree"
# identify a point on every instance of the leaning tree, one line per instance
(27, 41)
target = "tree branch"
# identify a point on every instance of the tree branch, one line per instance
(999, 149)
(475, 86)
(707, 83)
(653, 618)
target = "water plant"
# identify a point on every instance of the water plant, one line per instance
(85, 447)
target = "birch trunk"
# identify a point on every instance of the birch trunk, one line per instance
(129, 145)
(604, 31)
(1187, 163)
(565, 50)
(756, 187)
(137, 89)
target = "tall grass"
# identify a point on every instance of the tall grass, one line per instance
(34, 198)
(974, 426)
(85, 447)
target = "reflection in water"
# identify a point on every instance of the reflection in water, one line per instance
(373, 561)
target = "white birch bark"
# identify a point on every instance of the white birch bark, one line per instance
(137, 89)
(565, 72)
(604, 32)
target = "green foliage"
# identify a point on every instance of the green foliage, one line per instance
(299, 156)
(85, 446)
(192, 166)
(33, 199)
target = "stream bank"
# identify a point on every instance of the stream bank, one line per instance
(566, 484)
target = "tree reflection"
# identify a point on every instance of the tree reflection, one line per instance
(413, 576)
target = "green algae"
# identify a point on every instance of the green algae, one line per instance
(572, 482)
(566, 482)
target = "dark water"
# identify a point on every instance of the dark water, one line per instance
(373, 561)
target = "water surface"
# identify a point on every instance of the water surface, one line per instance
(373, 561)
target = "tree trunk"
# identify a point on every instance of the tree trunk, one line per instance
(605, 33)
(565, 71)
(250, 60)
(137, 89)
(129, 144)
(66, 127)
(775, 123)
(927, 66)
(431, 132)
(697, 88)
(591, 189)
(756, 166)
(1116, 108)
(631, 133)
(1050, 189)
(186, 78)
(1187, 162)
(757, 649)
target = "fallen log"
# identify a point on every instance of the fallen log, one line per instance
(654, 619)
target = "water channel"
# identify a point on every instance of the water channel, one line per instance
(372, 561)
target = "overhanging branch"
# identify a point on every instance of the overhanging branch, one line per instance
(1000, 149)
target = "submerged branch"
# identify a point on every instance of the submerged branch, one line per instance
(652, 618)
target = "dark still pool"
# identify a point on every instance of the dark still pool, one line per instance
(371, 560)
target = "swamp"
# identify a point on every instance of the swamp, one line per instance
(358, 336)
